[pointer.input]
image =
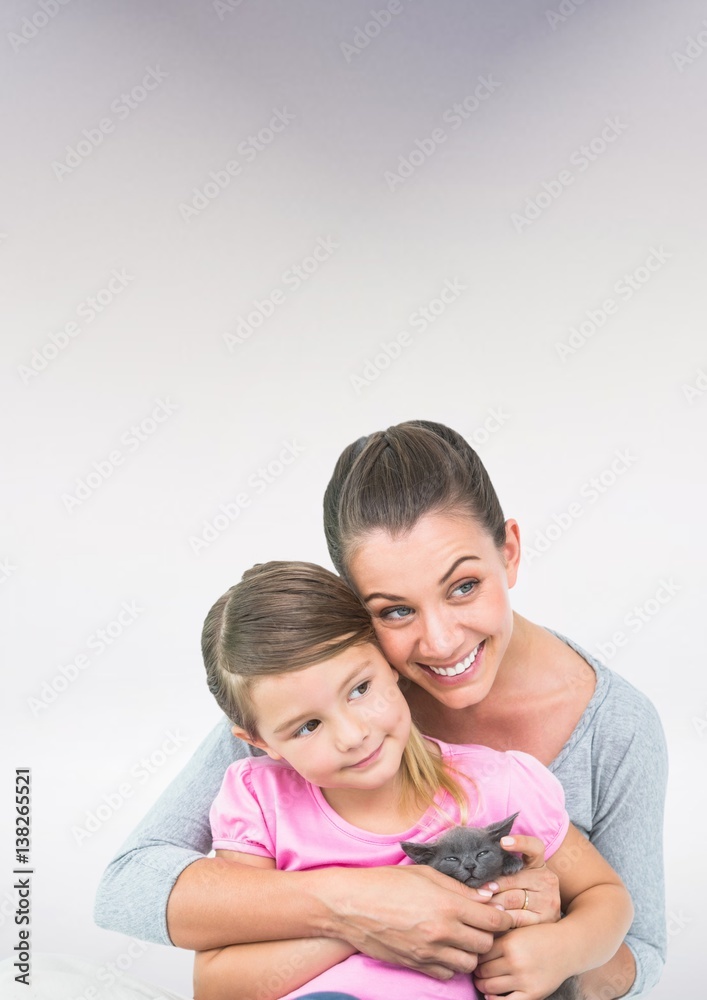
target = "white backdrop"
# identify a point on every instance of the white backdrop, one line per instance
(238, 235)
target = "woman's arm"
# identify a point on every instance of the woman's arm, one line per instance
(534, 960)
(267, 969)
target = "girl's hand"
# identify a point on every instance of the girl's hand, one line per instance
(541, 884)
(524, 964)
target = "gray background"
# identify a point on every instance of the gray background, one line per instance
(546, 420)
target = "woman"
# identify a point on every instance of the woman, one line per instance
(414, 525)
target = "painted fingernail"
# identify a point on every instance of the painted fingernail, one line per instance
(485, 892)
(507, 841)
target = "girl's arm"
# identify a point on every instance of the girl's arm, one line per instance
(267, 969)
(530, 962)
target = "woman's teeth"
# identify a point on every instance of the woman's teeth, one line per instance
(458, 668)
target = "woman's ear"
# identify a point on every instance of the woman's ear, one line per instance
(512, 551)
(254, 741)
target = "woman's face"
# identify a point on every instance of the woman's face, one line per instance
(438, 596)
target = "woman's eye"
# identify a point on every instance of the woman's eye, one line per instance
(307, 728)
(360, 689)
(396, 614)
(465, 588)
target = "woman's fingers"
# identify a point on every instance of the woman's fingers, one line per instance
(532, 849)
(531, 895)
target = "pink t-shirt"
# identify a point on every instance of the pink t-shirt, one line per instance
(264, 807)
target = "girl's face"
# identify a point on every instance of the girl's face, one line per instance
(341, 723)
(438, 596)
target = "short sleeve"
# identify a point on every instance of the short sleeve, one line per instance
(237, 819)
(539, 798)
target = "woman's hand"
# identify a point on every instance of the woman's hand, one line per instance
(413, 916)
(541, 885)
(524, 964)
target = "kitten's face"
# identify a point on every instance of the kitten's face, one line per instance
(472, 856)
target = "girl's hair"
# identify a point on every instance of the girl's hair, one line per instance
(391, 478)
(286, 616)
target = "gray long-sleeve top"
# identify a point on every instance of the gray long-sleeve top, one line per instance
(613, 769)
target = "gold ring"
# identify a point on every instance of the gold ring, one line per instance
(527, 900)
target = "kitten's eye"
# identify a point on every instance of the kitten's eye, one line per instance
(481, 854)
(451, 859)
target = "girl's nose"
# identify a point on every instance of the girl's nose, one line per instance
(350, 733)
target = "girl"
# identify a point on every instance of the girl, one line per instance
(292, 660)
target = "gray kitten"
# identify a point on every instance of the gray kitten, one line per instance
(473, 855)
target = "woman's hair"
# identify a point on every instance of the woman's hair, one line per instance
(392, 478)
(286, 616)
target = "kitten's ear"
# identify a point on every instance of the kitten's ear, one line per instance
(421, 854)
(502, 829)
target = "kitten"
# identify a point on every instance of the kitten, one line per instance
(473, 855)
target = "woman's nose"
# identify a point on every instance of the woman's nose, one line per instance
(440, 638)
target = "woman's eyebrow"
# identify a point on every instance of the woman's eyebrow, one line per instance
(395, 597)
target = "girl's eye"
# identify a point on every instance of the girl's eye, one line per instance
(360, 689)
(308, 727)
(396, 614)
(465, 588)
